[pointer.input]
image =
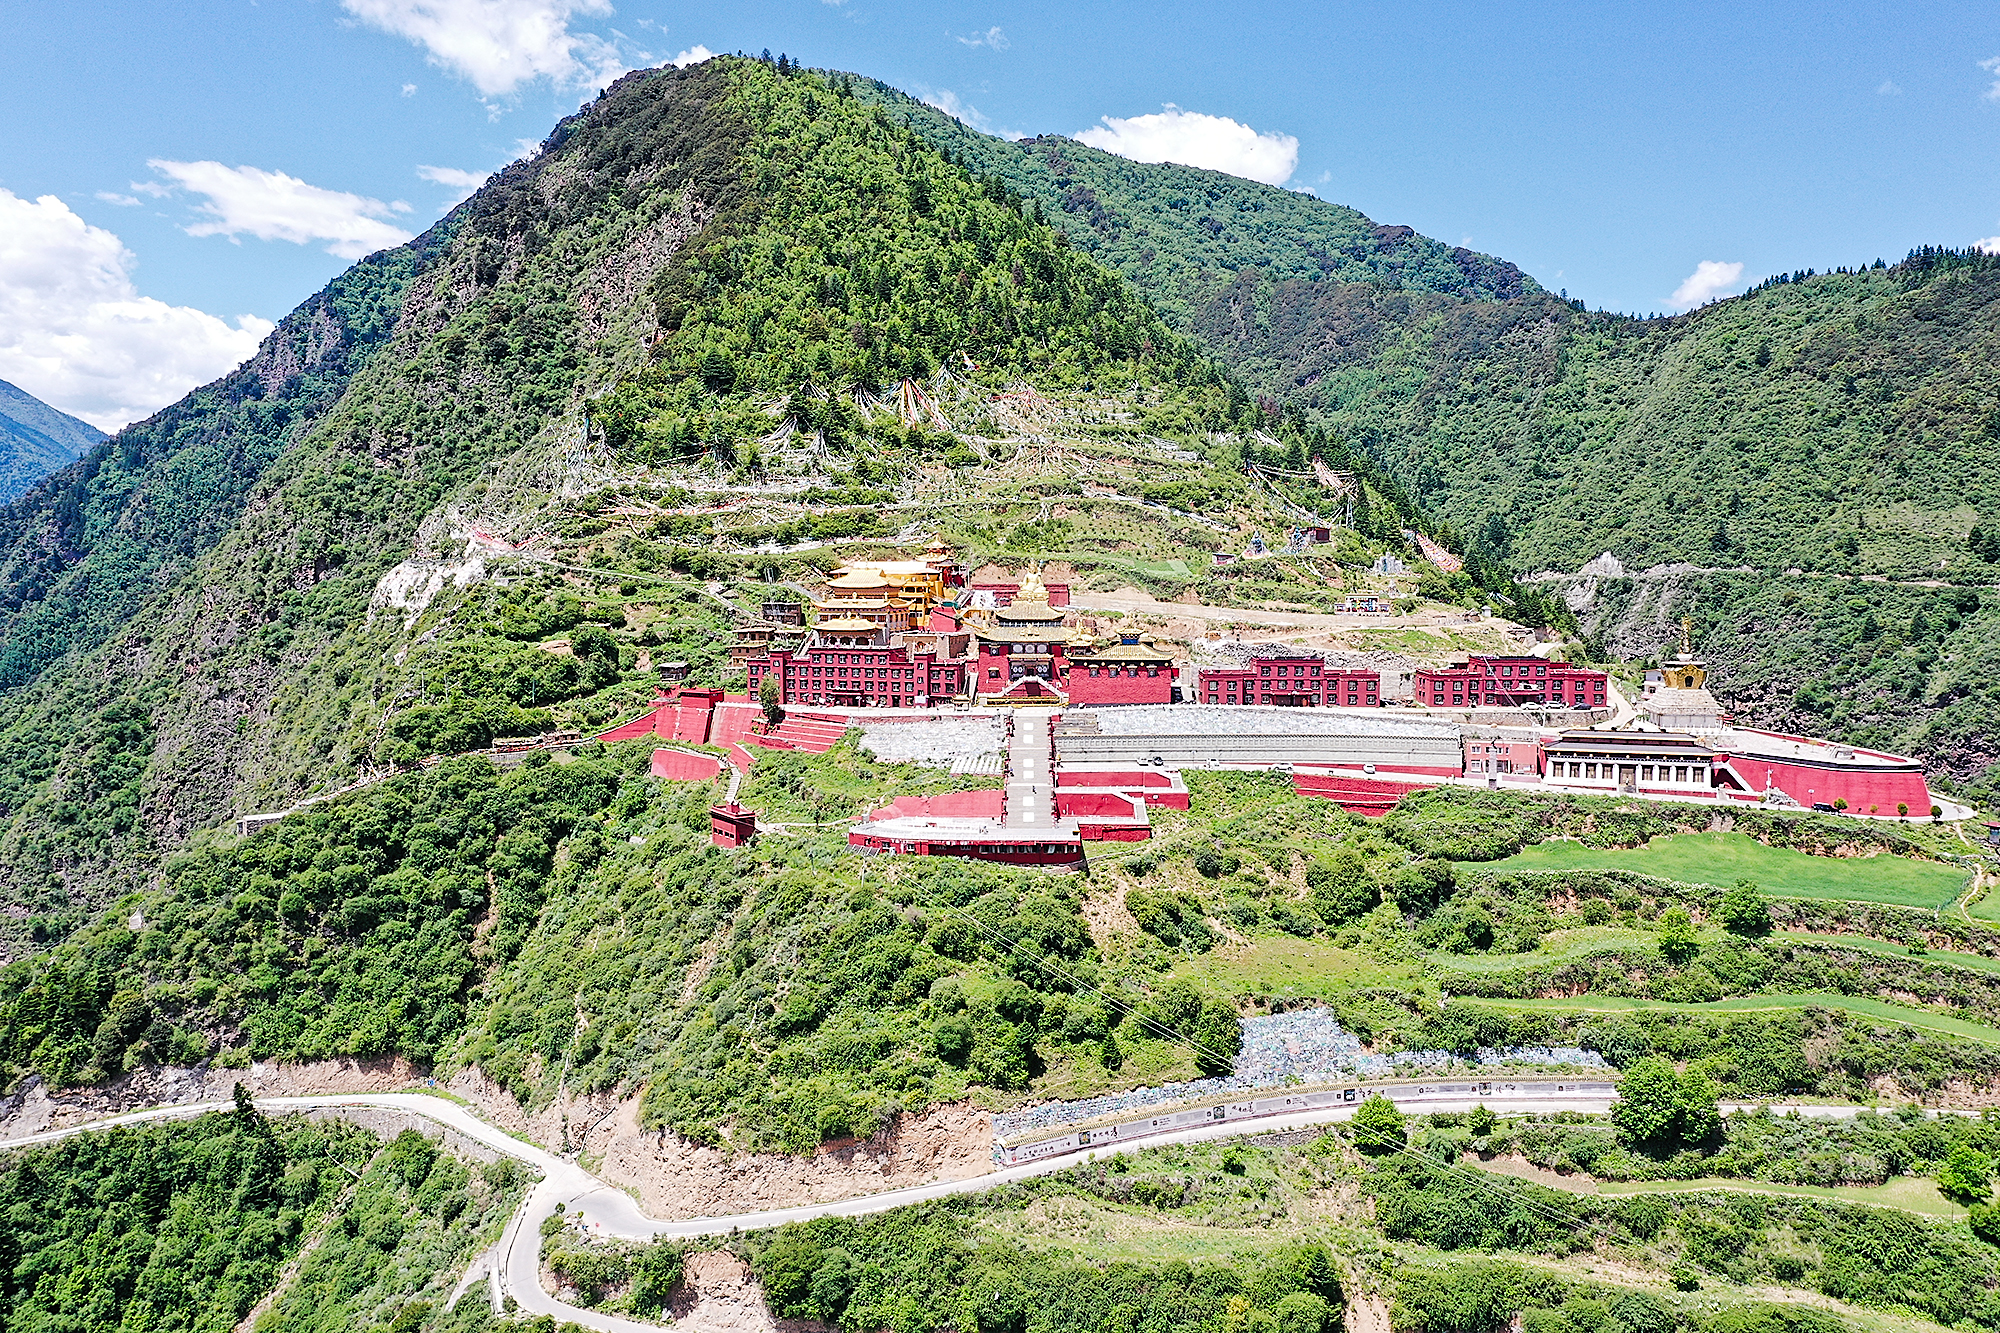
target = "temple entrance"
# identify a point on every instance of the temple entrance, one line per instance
(1628, 777)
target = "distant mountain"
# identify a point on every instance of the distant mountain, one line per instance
(36, 439)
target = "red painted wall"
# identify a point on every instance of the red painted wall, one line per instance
(1357, 795)
(1859, 787)
(1085, 689)
(1113, 833)
(951, 804)
(1074, 804)
(1120, 778)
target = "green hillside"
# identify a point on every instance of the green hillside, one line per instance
(1835, 424)
(667, 349)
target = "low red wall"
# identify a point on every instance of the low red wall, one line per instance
(1120, 778)
(649, 725)
(1113, 832)
(951, 805)
(1357, 795)
(1074, 804)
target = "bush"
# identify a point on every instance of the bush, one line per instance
(1659, 1112)
(1966, 1175)
(1742, 910)
(1340, 888)
(1678, 940)
(1378, 1125)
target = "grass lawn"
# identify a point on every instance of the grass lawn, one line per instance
(1911, 1194)
(1860, 1006)
(1724, 858)
(1292, 969)
(1987, 908)
(1558, 946)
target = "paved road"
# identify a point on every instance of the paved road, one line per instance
(1030, 765)
(606, 1210)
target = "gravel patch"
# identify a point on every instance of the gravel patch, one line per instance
(959, 744)
(1304, 1046)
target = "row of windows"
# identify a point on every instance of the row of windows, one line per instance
(1665, 772)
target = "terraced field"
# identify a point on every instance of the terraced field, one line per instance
(1723, 858)
(1880, 1011)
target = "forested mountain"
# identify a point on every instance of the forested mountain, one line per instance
(1835, 424)
(492, 482)
(36, 439)
(267, 589)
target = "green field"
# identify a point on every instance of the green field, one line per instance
(1292, 969)
(1880, 1011)
(1910, 1194)
(1558, 946)
(1724, 858)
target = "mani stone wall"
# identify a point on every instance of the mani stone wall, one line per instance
(1194, 736)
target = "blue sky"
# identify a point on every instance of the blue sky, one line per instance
(209, 163)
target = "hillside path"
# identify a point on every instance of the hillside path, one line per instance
(608, 1211)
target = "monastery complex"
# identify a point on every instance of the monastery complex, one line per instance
(1099, 727)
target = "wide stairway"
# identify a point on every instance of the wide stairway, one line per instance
(812, 732)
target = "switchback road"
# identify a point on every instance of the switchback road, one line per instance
(514, 1264)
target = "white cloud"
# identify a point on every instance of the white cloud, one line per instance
(75, 332)
(949, 102)
(1889, 88)
(694, 55)
(461, 183)
(1197, 140)
(121, 200)
(1990, 244)
(1711, 279)
(498, 45)
(409, 90)
(992, 38)
(1992, 66)
(275, 207)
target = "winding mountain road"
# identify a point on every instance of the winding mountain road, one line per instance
(513, 1266)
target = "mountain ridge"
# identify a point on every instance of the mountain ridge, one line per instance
(37, 439)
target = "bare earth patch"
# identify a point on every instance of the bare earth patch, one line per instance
(720, 1296)
(34, 1108)
(675, 1178)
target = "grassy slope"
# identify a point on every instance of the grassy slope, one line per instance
(1859, 1005)
(1724, 858)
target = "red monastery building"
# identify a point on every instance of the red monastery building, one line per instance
(857, 663)
(1132, 669)
(1508, 682)
(1028, 655)
(1294, 680)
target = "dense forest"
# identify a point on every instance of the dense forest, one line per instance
(306, 1226)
